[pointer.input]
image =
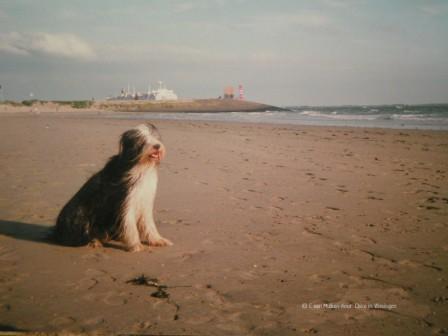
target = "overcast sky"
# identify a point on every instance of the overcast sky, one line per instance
(284, 52)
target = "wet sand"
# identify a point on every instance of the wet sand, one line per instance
(277, 230)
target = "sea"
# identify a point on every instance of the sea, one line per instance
(429, 117)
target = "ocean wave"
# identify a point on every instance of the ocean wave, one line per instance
(420, 117)
(316, 114)
(372, 117)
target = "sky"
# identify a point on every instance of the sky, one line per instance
(283, 52)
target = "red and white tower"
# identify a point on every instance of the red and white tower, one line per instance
(241, 92)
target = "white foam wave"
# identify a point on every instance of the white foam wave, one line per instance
(336, 116)
(418, 117)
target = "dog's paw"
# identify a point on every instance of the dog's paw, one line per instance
(136, 248)
(95, 243)
(160, 242)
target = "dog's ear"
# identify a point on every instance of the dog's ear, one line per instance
(130, 145)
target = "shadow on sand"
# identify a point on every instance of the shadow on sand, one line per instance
(26, 231)
(40, 233)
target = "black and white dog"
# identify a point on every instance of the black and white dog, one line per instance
(117, 202)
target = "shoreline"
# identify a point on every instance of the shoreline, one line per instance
(155, 116)
(424, 117)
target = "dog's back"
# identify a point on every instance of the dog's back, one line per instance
(92, 211)
(73, 223)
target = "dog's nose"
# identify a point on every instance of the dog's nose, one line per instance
(156, 146)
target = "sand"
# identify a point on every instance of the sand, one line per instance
(277, 230)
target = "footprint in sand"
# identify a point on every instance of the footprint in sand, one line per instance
(91, 272)
(7, 255)
(248, 275)
(199, 318)
(91, 280)
(94, 321)
(5, 307)
(141, 326)
(391, 287)
(189, 255)
(318, 278)
(374, 198)
(86, 283)
(311, 231)
(115, 299)
(91, 297)
(414, 264)
(238, 199)
(97, 256)
(363, 239)
(342, 188)
(62, 321)
(375, 257)
(207, 242)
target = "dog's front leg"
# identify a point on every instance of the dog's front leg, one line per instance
(151, 233)
(130, 234)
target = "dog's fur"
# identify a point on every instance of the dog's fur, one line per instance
(117, 202)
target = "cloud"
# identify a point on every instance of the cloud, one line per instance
(186, 56)
(337, 3)
(270, 58)
(435, 9)
(281, 21)
(187, 6)
(306, 19)
(167, 53)
(10, 43)
(184, 7)
(58, 45)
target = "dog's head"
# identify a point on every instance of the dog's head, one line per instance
(142, 144)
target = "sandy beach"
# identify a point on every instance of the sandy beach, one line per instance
(277, 230)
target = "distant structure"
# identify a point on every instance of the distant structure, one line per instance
(162, 93)
(241, 92)
(228, 92)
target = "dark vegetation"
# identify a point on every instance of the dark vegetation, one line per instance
(30, 102)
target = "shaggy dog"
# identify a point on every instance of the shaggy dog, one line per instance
(117, 202)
